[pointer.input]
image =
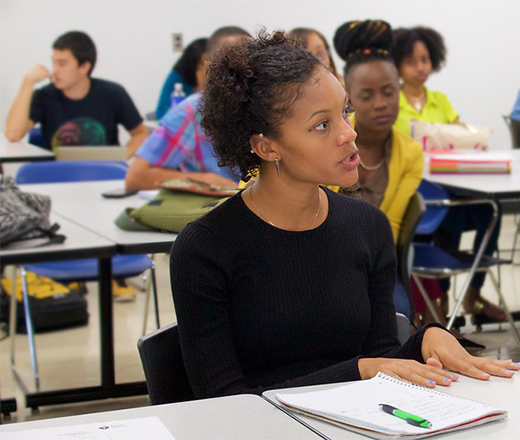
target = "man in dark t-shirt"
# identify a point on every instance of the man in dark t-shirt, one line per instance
(74, 109)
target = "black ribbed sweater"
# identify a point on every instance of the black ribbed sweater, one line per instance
(259, 307)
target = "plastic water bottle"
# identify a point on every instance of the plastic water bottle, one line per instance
(178, 94)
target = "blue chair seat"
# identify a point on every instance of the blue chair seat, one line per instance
(430, 258)
(123, 266)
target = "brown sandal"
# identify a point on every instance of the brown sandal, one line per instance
(482, 306)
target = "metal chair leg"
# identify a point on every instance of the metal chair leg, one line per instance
(155, 296)
(506, 308)
(513, 249)
(426, 298)
(146, 305)
(13, 315)
(29, 327)
(151, 287)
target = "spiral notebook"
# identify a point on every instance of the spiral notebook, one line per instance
(356, 407)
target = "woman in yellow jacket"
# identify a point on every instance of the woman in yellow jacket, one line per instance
(391, 162)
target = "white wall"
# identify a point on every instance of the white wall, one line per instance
(481, 78)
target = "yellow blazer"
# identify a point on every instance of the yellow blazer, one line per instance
(404, 176)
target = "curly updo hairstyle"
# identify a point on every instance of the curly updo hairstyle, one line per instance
(358, 42)
(250, 89)
(405, 40)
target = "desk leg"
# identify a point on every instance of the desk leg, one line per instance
(108, 387)
(106, 323)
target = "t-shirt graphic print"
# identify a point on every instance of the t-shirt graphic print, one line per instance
(79, 131)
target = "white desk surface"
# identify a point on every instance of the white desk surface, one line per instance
(82, 203)
(497, 392)
(486, 184)
(79, 240)
(21, 151)
(235, 417)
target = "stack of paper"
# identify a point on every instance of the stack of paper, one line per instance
(479, 163)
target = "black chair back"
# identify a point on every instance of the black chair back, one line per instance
(163, 366)
(514, 130)
(412, 216)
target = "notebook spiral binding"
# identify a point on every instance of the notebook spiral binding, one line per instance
(420, 387)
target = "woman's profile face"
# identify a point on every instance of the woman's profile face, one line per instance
(416, 68)
(374, 93)
(317, 47)
(316, 144)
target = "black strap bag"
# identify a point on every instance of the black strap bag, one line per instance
(24, 218)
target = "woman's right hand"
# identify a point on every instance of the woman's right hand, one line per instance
(409, 370)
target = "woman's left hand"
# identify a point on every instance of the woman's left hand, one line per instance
(441, 349)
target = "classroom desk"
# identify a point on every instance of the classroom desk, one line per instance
(499, 187)
(235, 417)
(497, 392)
(22, 152)
(80, 243)
(82, 203)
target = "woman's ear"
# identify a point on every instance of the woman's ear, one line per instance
(263, 147)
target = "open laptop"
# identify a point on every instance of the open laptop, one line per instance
(112, 152)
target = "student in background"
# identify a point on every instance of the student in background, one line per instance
(179, 148)
(287, 283)
(391, 163)
(515, 113)
(316, 43)
(417, 53)
(189, 71)
(75, 109)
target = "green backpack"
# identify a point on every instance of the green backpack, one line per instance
(168, 211)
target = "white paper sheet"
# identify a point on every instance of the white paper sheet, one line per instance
(131, 429)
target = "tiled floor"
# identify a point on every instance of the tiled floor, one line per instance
(70, 358)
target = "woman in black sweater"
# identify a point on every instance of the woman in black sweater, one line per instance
(288, 284)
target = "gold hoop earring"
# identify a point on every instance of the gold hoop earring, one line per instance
(277, 165)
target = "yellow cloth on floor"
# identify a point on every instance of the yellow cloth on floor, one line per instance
(37, 286)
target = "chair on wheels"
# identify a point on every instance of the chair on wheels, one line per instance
(123, 266)
(163, 366)
(431, 261)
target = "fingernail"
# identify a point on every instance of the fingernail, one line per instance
(454, 376)
(517, 364)
(431, 382)
(446, 379)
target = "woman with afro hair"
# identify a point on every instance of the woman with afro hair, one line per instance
(418, 52)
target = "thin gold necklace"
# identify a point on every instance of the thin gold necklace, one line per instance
(417, 100)
(269, 221)
(372, 168)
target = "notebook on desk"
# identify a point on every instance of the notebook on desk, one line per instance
(358, 407)
(91, 153)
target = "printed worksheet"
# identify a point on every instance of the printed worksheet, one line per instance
(131, 429)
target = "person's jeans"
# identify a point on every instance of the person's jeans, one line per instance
(401, 302)
(463, 218)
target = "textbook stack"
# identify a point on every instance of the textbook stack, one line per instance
(477, 163)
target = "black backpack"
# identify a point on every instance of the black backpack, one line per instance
(53, 306)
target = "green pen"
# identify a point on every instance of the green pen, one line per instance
(409, 418)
